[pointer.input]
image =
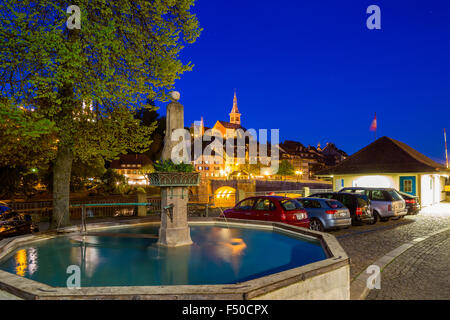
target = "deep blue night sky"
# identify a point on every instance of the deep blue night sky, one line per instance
(313, 69)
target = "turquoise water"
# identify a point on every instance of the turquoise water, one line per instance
(218, 256)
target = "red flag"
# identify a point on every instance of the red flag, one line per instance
(373, 126)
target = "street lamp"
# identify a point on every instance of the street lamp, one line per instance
(298, 173)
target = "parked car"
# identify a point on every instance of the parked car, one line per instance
(270, 208)
(15, 224)
(412, 203)
(357, 204)
(385, 202)
(4, 208)
(326, 214)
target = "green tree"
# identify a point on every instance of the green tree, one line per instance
(85, 84)
(285, 169)
(17, 180)
(83, 171)
(112, 181)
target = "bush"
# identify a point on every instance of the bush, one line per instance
(169, 166)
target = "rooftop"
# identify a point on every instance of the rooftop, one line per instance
(385, 155)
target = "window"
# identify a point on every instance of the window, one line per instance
(394, 195)
(378, 195)
(290, 205)
(334, 204)
(407, 186)
(323, 195)
(347, 200)
(339, 184)
(362, 202)
(246, 204)
(265, 205)
(312, 204)
(360, 191)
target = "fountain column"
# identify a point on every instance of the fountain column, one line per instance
(174, 230)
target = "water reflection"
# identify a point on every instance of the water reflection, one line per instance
(86, 254)
(224, 245)
(218, 255)
(21, 262)
(32, 260)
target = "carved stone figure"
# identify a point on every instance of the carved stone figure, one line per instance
(174, 120)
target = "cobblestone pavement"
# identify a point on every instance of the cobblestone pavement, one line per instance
(365, 244)
(420, 273)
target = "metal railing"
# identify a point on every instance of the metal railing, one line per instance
(283, 193)
(102, 205)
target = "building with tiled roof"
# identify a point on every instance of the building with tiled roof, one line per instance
(130, 166)
(390, 163)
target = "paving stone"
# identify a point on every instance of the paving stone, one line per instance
(421, 272)
(366, 244)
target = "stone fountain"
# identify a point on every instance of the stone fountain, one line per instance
(174, 230)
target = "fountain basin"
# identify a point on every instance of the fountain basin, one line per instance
(323, 274)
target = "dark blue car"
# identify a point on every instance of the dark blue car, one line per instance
(14, 224)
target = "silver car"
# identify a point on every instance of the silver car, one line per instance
(326, 213)
(385, 202)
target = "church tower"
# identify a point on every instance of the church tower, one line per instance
(235, 116)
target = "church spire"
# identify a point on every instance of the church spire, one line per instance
(235, 116)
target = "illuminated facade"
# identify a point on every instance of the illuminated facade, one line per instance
(130, 165)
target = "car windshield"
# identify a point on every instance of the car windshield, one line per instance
(289, 204)
(395, 196)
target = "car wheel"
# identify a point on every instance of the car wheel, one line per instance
(376, 217)
(316, 225)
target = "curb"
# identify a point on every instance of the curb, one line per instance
(358, 287)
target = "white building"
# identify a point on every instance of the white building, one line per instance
(391, 163)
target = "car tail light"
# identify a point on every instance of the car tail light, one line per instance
(301, 215)
(359, 211)
(412, 201)
(331, 211)
(389, 208)
(283, 217)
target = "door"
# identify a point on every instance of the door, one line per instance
(244, 210)
(313, 208)
(349, 202)
(265, 210)
(408, 185)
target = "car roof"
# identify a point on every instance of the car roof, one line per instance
(318, 199)
(339, 193)
(366, 188)
(369, 188)
(268, 197)
(407, 194)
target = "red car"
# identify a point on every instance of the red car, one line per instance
(270, 208)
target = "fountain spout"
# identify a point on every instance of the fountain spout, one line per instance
(169, 211)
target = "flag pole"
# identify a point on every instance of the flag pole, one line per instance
(446, 153)
(376, 127)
